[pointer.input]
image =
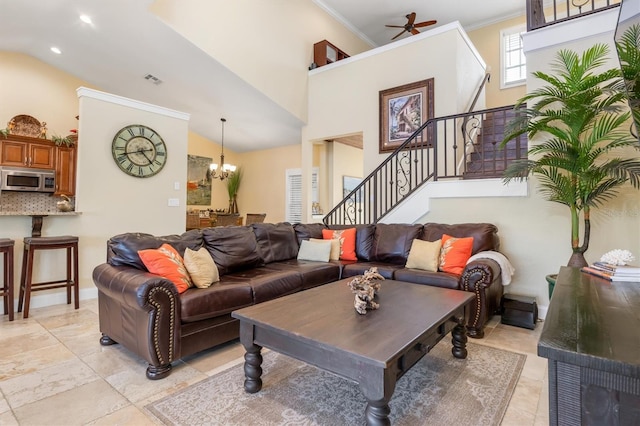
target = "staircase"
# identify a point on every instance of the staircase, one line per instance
(461, 146)
(488, 159)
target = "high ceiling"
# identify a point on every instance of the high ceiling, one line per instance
(125, 42)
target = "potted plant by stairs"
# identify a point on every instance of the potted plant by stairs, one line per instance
(233, 185)
(582, 122)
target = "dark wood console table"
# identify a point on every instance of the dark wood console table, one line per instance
(591, 337)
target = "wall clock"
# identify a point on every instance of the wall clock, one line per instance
(139, 151)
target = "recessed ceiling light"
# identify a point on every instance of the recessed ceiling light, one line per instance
(56, 50)
(86, 19)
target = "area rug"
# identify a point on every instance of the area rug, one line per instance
(438, 390)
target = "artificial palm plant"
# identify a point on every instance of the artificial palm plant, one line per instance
(582, 118)
(233, 185)
(628, 48)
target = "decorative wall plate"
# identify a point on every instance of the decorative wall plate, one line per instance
(25, 125)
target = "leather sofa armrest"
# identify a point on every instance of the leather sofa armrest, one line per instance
(482, 277)
(131, 286)
(141, 311)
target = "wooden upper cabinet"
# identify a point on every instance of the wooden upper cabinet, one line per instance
(65, 170)
(36, 153)
(24, 151)
(326, 53)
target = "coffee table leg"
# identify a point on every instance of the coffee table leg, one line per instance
(459, 340)
(252, 369)
(377, 385)
(377, 413)
(252, 359)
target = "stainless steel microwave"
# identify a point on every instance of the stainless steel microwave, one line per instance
(25, 179)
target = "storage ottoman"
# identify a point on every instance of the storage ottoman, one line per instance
(521, 311)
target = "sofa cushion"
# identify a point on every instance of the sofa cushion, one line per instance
(485, 235)
(233, 248)
(387, 270)
(312, 273)
(392, 242)
(424, 255)
(304, 231)
(267, 283)
(347, 239)
(364, 239)
(201, 267)
(276, 241)
(123, 249)
(316, 250)
(220, 298)
(167, 262)
(334, 253)
(436, 279)
(454, 253)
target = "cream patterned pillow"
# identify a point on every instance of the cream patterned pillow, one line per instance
(335, 247)
(424, 255)
(201, 267)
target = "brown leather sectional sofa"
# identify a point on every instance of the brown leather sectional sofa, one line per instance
(257, 263)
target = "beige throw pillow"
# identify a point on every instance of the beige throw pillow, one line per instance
(201, 267)
(335, 247)
(424, 255)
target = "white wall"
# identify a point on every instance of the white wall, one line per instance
(344, 97)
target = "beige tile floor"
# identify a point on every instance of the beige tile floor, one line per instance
(53, 371)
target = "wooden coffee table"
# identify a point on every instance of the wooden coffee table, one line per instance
(321, 327)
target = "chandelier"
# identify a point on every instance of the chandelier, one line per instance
(225, 168)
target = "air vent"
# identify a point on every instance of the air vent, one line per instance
(153, 79)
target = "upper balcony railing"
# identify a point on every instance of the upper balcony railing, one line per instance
(542, 13)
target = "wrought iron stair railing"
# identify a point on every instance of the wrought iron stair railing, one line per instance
(458, 146)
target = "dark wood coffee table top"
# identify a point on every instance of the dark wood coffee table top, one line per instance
(321, 327)
(325, 316)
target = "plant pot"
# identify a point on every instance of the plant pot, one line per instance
(551, 279)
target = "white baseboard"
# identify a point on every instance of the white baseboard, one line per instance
(50, 299)
(542, 311)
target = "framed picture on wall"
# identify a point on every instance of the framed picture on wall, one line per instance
(403, 110)
(349, 183)
(198, 181)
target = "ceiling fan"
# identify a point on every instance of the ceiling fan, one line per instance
(410, 26)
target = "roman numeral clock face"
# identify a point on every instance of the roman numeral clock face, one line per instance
(139, 151)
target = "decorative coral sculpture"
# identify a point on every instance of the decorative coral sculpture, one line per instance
(617, 257)
(365, 288)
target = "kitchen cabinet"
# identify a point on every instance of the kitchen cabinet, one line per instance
(325, 53)
(65, 166)
(25, 151)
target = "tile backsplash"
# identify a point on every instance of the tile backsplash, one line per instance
(15, 201)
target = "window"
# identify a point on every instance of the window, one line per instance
(513, 64)
(293, 209)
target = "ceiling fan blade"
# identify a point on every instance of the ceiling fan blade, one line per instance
(395, 26)
(425, 24)
(411, 17)
(401, 32)
(414, 31)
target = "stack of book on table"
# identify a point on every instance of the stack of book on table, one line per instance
(613, 272)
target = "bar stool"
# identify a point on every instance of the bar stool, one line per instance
(6, 248)
(31, 244)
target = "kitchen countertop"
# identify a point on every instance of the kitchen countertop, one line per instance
(40, 213)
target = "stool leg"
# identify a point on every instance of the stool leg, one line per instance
(23, 276)
(5, 288)
(69, 275)
(9, 282)
(76, 280)
(27, 285)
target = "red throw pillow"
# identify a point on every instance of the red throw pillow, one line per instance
(347, 238)
(168, 263)
(454, 253)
